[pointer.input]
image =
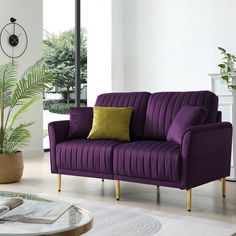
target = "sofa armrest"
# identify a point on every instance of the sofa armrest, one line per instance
(206, 153)
(58, 132)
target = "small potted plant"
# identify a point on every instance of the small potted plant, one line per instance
(16, 97)
(227, 67)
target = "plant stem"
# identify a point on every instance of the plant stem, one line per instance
(8, 116)
(2, 113)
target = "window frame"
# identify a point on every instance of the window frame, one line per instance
(77, 52)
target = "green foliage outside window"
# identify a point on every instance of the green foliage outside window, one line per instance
(59, 56)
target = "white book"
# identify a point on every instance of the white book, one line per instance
(9, 204)
(29, 211)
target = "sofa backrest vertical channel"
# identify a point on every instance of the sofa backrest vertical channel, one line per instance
(137, 100)
(162, 108)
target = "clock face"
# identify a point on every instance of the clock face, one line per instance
(13, 40)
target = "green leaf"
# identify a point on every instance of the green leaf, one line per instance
(232, 87)
(30, 85)
(225, 78)
(222, 66)
(24, 108)
(16, 138)
(7, 84)
(222, 50)
(228, 69)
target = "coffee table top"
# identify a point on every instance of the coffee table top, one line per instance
(74, 221)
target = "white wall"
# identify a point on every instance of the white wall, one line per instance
(29, 14)
(172, 45)
(156, 45)
(99, 49)
(105, 47)
(118, 45)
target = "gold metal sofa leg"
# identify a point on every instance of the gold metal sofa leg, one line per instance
(59, 182)
(117, 187)
(189, 200)
(223, 182)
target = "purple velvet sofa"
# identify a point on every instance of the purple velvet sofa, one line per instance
(202, 156)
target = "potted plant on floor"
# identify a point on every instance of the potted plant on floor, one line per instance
(16, 97)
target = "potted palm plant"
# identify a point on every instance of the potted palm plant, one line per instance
(16, 97)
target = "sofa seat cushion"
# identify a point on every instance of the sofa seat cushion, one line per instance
(148, 159)
(86, 155)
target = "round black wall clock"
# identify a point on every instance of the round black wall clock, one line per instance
(13, 39)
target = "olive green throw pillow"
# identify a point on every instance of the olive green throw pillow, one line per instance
(111, 123)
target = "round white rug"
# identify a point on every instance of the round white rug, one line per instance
(116, 219)
(116, 222)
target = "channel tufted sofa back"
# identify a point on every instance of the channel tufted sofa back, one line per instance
(162, 108)
(137, 100)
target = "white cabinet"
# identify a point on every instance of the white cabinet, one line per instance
(227, 104)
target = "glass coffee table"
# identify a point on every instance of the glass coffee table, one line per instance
(74, 221)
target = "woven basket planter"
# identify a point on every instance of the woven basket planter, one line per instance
(11, 167)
